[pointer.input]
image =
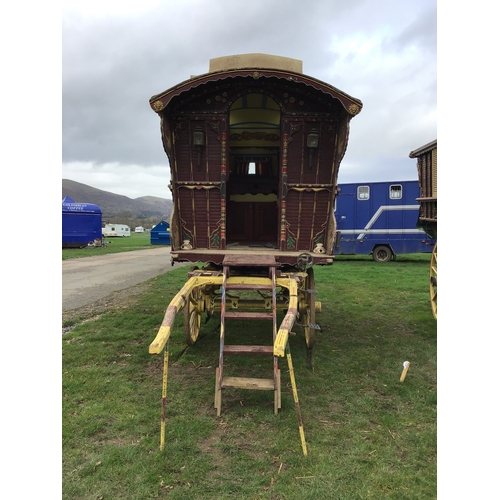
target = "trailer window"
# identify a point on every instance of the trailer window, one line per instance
(396, 192)
(363, 192)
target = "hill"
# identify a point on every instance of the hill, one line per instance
(118, 208)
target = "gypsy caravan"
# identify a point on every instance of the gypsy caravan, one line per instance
(254, 147)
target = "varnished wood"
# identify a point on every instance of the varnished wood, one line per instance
(248, 349)
(259, 384)
(249, 315)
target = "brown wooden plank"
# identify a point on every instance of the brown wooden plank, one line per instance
(253, 260)
(248, 315)
(248, 349)
(242, 286)
(260, 384)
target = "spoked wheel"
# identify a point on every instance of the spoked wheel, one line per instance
(433, 281)
(192, 315)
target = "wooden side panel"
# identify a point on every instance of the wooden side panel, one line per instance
(192, 163)
(427, 177)
(183, 155)
(311, 165)
(311, 174)
(197, 181)
(425, 165)
(307, 216)
(200, 214)
(434, 173)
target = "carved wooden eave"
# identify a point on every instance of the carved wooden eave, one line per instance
(423, 149)
(161, 102)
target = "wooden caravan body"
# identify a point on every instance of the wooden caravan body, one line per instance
(254, 147)
(427, 178)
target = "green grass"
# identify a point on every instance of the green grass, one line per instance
(369, 436)
(136, 241)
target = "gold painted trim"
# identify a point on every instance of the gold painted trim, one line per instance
(157, 105)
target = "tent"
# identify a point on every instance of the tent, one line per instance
(160, 234)
(81, 223)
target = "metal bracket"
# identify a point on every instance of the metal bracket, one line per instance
(315, 326)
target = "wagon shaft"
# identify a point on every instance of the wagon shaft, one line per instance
(200, 281)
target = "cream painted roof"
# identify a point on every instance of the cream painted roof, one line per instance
(255, 61)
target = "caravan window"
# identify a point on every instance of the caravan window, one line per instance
(396, 192)
(363, 192)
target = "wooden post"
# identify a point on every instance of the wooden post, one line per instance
(406, 365)
(164, 398)
(296, 399)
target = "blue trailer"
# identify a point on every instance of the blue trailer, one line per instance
(81, 223)
(160, 234)
(379, 219)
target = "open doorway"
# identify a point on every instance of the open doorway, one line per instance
(253, 180)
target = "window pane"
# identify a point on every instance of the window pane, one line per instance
(396, 192)
(363, 192)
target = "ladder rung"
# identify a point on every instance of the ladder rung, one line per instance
(252, 260)
(248, 287)
(261, 384)
(248, 315)
(248, 349)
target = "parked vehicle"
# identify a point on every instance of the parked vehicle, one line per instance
(160, 234)
(121, 230)
(426, 157)
(380, 219)
(81, 223)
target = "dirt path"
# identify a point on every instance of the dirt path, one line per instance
(92, 284)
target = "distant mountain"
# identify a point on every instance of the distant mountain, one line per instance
(116, 206)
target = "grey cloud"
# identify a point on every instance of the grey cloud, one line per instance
(112, 66)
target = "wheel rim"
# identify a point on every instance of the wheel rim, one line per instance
(192, 316)
(382, 254)
(433, 281)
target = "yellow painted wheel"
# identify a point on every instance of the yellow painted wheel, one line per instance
(310, 308)
(433, 281)
(192, 315)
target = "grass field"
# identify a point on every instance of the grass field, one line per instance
(136, 241)
(368, 435)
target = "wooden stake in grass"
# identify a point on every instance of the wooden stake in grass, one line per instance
(164, 398)
(296, 399)
(406, 365)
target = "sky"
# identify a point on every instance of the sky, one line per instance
(115, 56)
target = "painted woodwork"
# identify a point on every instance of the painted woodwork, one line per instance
(256, 118)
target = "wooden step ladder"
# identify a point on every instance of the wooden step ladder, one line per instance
(262, 384)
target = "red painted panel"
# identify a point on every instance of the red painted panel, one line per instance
(310, 165)
(307, 215)
(200, 213)
(198, 163)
